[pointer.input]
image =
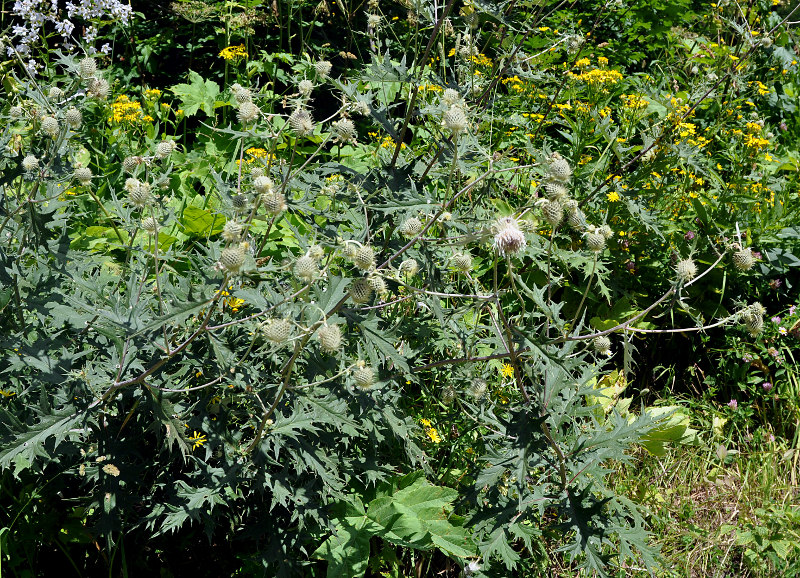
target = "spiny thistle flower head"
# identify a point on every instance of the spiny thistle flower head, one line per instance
(83, 175)
(373, 20)
(753, 322)
(87, 67)
(73, 117)
(462, 262)
(305, 269)
(378, 285)
(232, 258)
(606, 231)
(576, 218)
(165, 148)
(274, 203)
(409, 267)
(364, 258)
(263, 184)
(240, 202)
(256, 172)
(559, 168)
(323, 68)
(602, 345)
(508, 238)
(344, 131)
(304, 87)
(555, 190)
(330, 338)
(15, 111)
(553, 212)
(451, 97)
(349, 250)
(411, 227)
(757, 308)
(477, 388)
(364, 376)
(241, 94)
(685, 270)
(30, 163)
(743, 260)
(130, 164)
(301, 122)
(455, 120)
(316, 252)
(360, 291)
(149, 224)
(50, 126)
(99, 88)
(248, 112)
(278, 330)
(232, 231)
(595, 242)
(448, 395)
(55, 94)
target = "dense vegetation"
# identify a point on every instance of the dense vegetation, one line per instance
(419, 289)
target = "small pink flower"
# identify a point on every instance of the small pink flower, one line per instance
(733, 404)
(766, 385)
(792, 309)
(776, 319)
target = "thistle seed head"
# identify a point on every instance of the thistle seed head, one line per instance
(165, 148)
(378, 285)
(448, 395)
(323, 68)
(99, 88)
(409, 267)
(595, 242)
(304, 87)
(602, 345)
(30, 163)
(248, 112)
(263, 184)
(685, 270)
(256, 172)
(55, 94)
(316, 252)
(330, 338)
(455, 120)
(344, 131)
(508, 238)
(451, 97)
(555, 191)
(131, 163)
(232, 231)
(477, 388)
(240, 202)
(364, 376)
(87, 67)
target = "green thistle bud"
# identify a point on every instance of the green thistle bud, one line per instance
(50, 126)
(87, 68)
(743, 260)
(606, 231)
(73, 117)
(240, 202)
(364, 258)
(462, 262)
(256, 172)
(278, 330)
(364, 376)
(83, 175)
(55, 94)
(149, 224)
(30, 163)
(455, 120)
(241, 94)
(247, 113)
(755, 324)
(273, 203)
(165, 148)
(576, 219)
(360, 291)
(130, 164)
(409, 267)
(263, 185)
(378, 285)
(686, 270)
(232, 259)
(316, 252)
(602, 345)
(555, 191)
(323, 68)
(553, 212)
(301, 122)
(330, 338)
(232, 231)
(344, 131)
(349, 251)
(99, 88)
(477, 389)
(304, 87)
(559, 169)
(411, 228)
(595, 242)
(305, 269)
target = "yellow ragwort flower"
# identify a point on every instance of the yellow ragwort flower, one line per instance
(233, 52)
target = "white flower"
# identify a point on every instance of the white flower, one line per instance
(508, 238)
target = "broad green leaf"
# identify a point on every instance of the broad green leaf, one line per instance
(197, 94)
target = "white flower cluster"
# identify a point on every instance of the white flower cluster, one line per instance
(35, 13)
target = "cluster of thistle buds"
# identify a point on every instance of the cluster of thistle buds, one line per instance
(556, 204)
(247, 112)
(753, 318)
(96, 86)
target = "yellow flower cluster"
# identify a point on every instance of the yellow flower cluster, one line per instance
(387, 142)
(233, 52)
(152, 94)
(123, 109)
(634, 101)
(481, 60)
(597, 77)
(430, 431)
